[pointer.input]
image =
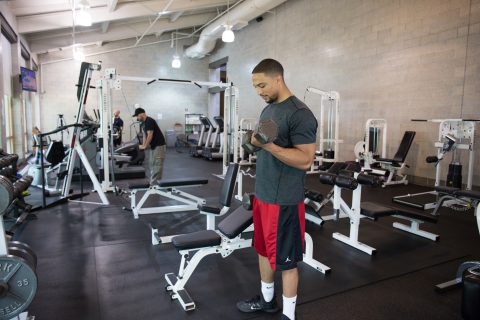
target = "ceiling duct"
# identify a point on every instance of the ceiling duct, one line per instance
(239, 17)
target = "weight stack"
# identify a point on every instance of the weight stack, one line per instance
(471, 294)
(454, 177)
(329, 154)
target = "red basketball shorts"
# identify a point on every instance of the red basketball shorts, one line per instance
(279, 233)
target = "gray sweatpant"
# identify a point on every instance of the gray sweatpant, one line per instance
(157, 157)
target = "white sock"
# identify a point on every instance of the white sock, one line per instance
(267, 291)
(289, 307)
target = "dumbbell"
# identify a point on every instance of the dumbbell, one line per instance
(266, 131)
(247, 201)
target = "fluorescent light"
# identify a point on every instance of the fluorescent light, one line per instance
(176, 61)
(83, 17)
(228, 35)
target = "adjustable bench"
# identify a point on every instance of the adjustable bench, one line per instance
(210, 211)
(224, 241)
(396, 165)
(369, 209)
(166, 188)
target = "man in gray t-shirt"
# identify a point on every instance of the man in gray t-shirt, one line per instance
(278, 208)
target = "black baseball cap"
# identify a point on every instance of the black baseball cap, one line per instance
(138, 111)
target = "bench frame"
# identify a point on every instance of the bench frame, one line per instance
(354, 213)
(176, 284)
(190, 201)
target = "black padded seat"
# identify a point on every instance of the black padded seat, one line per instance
(469, 194)
(165, 183)
(375, 211)
(144, 185)
(389, 161)
(209, 209)
(402, 151)
(200, 239)
(446, 190)
(236, 222)
(418, 216)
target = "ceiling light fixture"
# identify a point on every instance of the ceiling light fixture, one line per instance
(83, 16)
(176, 59)
(228, 35)
(78, 53)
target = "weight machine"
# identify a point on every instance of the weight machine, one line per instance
(76, 148)
(454, 135)
(328, 143)
(246, 124)
(367, 150)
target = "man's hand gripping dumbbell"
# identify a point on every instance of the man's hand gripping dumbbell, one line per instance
(266, 131)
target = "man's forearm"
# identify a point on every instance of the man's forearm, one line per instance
(148, 140)
(295, 157)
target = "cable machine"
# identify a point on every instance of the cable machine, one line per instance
(328, 142)
(76, 148)
(454, 135)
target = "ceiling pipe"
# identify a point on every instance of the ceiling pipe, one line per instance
(239, 17)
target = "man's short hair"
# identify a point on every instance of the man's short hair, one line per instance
(270, 67)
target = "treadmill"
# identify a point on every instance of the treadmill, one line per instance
(213, 152)
(197, 150)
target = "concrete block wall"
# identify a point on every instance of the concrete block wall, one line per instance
(392, 59)
(172, 101)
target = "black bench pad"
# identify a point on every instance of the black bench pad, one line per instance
(418, 216)
(200, 239)
(468, 193)
(181, 182)
(209, 209)
(375, 211)
(389, 161)
(446, 190)
(236, 222)
(144, 185)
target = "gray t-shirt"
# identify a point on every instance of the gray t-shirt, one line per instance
(277, 182)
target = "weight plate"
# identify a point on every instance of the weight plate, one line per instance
(6, 193)
(22, 253)
(26, 247)
(18, 285)
(359, 149)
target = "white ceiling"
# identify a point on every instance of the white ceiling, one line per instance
(48, 24)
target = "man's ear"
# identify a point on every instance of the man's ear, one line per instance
(278, 79)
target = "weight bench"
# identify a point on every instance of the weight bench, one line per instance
(224, 241)
(210, 211)
(166, 188)
(396, 165)
(369, 209)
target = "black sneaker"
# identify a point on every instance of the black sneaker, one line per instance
(284, 317)
(258, 304)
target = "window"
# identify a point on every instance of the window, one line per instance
(8, 124)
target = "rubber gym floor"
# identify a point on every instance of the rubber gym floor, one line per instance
(98, 262)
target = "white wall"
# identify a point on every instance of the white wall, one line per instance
(392, 59)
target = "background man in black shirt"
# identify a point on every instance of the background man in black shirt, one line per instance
(153, 136)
